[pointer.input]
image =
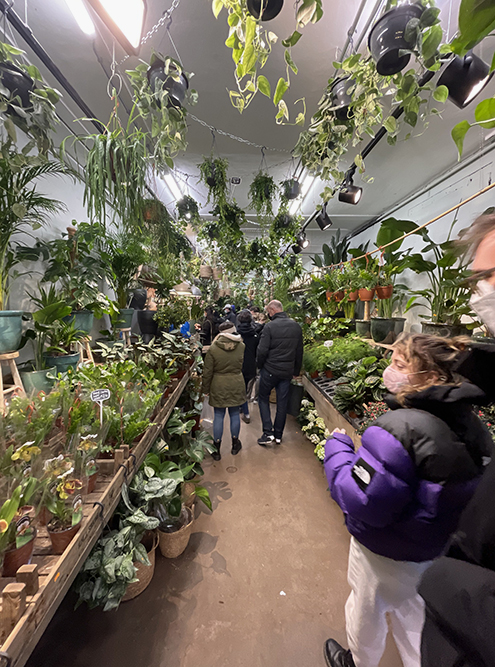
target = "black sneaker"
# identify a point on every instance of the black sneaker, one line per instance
(265, 440)
(336, 655)
(216, 456)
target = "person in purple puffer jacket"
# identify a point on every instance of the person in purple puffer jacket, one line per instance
(402, 494)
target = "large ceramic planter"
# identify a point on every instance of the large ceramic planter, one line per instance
(387, 42)
(399, 324)
(83, 320)
(10, 330)
(271, 8)
(147, 325)
(383, 330)
(446, 330)
(62, 538)
(63, 363)
(366, 294)
(363, 328)
(384, 292)
(172, 545)
(125, 318)
(36, 381)
(176, 89)
(341, 98)
(15, 558)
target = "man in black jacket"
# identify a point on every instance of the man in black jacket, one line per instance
(279, 357)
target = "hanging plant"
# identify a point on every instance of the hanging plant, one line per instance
(160, 89)
(188, 211)
(285, 227)
(262, 193)
(213, 173)
(291, 188)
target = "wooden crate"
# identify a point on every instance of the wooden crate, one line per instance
(56, 573)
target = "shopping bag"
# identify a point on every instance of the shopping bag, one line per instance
(207, 413)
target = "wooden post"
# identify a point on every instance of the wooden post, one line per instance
(126, 451)
(119, 460)
(366, 310)
(28, 574)
(13, 605)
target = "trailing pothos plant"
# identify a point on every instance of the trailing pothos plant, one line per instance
(262, 192)
(213, 173)
(251, 46)
(168, 120)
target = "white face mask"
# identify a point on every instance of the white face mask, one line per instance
(483, 304)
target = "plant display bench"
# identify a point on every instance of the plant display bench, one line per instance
(327, 411)
(28, 604)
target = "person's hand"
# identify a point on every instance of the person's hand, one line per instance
(339, 430)
(197, 327)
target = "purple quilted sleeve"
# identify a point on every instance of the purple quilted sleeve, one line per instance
(374, 484)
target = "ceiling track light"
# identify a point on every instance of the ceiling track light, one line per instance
(81, 14)
(323, 220)
(302, 241)
(350, 193)
(125, 20)
(465, 78)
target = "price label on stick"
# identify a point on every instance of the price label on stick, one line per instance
(98, 396)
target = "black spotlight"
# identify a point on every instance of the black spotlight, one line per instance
(350, 193)
(323, 220)
(465, 78)
(296, 249)
(302, 240)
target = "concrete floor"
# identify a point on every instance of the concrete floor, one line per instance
(261, 584)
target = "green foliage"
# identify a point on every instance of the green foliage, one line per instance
(126, 254)
(334, 253)
(188, 211)
(476, 21)
(262, 192)
(213, 173)
(360, 384)
(174, 312)
(335, 355)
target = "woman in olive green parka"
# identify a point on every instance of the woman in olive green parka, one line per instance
(224, 383)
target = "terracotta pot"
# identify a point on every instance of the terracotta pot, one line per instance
(352, 414)
(172, 545)
(329, 374)
(338, 296)
(314, 375)
(353, 296)
(366, 294)
(14, 558)
(329, 296)
(61, 539)
(384, 292)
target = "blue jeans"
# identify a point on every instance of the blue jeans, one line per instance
(282, 386)
(235, 422)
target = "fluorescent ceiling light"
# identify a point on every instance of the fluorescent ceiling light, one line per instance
(175, 190)
(81, 14)
(306, 184)
(295, 204)
(124, 18)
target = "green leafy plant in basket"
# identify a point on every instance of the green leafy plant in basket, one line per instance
(213, 173)
(262, 192)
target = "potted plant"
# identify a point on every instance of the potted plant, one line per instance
(388, 39)
(167, 74)
(61, 338)
(291, 188)
(66, 515)
(265, 10)
(22, 208)
(126, 254)
(213, 173)
(367, 283)
(341, 99)
(188, 211)
(262, 192)
(17, 535)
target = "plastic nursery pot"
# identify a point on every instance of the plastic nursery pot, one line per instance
(125, 318)
(383, 330)
(63, 363)
(172, 545)
(83, 320)
(146, 322)
(271, 8)
(15, 558)
(19, 85)
(61, 539)
(445, 330)
(36, 381)
(363, 328)
(341, 98)
(144, 573)
(386, 39)
(176, 89)
(329, 374)
(399, 324)
(314, 375)
(43, 517)
(339, 295)
(353, 296)
(10, 330)
(366, 294)
(384, 292)
(92, 479)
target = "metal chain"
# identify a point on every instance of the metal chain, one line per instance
(234, 137)
(166, 16)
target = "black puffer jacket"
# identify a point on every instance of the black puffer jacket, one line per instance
(251, 340)
(280, 350)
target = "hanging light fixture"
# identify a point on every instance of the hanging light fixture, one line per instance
(303, 241)
(350, 193)
(465, 78)
(124, 19)
(323, 220)
(296, 249)
(81, 14)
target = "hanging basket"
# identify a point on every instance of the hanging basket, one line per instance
(387, 41)
(384, 292)
(353, 296)
(270, 9)
(366, 294)
(217, 274)
(292, 189)
(176, 89)
(144, 573)
(341, 98)
(19, 84)
(205, 271)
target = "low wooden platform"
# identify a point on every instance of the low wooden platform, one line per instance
(56, 573)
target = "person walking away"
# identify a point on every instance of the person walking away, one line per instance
(402, 494)
(247, 328)
(228, 314)
(224, 384)
(459, 588)
(279, 358)
(209, 328)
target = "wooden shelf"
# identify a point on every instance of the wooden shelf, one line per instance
(56, 573)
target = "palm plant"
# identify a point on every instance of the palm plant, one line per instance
(22, 208)
(126, 253)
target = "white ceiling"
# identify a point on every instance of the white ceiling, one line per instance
(398, 171)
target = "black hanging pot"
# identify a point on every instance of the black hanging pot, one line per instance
(387, 40)
(341, 98)
(18, 83)
(147, 325)
(292, 188)
(211, 179)
(176, 89)
(271, 8)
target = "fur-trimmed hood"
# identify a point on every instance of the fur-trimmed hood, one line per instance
(228, 341)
